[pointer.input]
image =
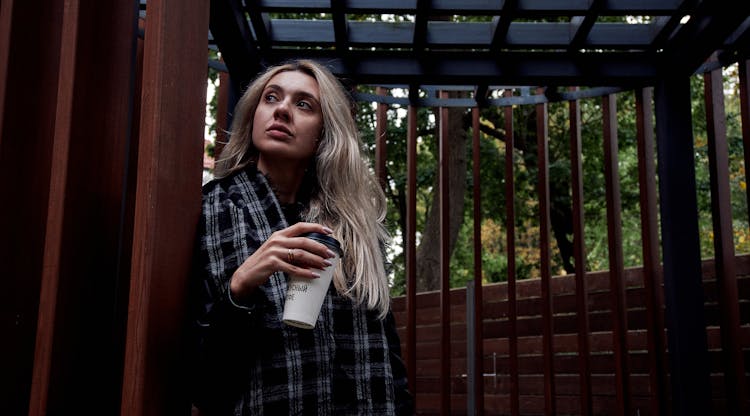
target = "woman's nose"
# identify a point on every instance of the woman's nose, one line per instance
(282, 110)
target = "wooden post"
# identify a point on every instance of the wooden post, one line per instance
(167, 206)
(683, 285)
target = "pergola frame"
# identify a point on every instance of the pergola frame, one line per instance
(107, 127)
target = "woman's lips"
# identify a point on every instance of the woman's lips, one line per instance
(278, 131)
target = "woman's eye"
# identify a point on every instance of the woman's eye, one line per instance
(305, 105)
(271, 98)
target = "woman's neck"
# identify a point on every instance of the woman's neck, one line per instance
(285, 181)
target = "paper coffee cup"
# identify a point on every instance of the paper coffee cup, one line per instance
(305, 296)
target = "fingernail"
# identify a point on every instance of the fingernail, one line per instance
(330, 254)
(315, 275)
(327, 262)
(328, 230)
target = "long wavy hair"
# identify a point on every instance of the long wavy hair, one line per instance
(345, 196)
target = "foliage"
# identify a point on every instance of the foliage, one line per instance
(494, 254)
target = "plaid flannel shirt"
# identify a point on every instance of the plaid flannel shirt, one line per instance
(247, 361)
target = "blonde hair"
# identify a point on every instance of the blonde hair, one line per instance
(347, 196)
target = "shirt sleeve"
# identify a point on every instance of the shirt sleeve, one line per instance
(404, 399)
(220, 337)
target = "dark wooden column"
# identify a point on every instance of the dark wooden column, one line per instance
(29, 58)
(79, 178)
(167, 205)
(683, 287)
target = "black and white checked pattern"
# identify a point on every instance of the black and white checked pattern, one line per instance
(348, 365)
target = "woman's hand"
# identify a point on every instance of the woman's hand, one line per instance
(284, 251)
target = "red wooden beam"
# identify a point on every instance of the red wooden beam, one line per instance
(544, 246)
(83, 252)
(445, 256)
(510, 236)
(726, 273)
(55, 214)
(478, 305)
(411, 250)
(616, 263)
(29, 59)
(167, 205)
(579, 253)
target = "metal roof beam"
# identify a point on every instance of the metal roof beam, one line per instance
(419, 39)
(501, 25)
(708, 28)
(581, 25)
(340, 30)
(520, 35)
(261, 24)
(526, 8)
(522, 68)
(232, 35)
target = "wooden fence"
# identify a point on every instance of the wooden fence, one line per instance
(497, 358)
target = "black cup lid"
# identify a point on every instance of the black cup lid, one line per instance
(327, 240)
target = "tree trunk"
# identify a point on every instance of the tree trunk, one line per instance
(428, 252)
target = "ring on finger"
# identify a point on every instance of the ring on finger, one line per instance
(290, 256)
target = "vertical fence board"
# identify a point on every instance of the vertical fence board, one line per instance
(616, 263)
(544, 246)
(445, 256)
(726, 275)
(411, 250)
(579, 254)
(510, 233)
(167, 206)
(650, 250)
(478, 304)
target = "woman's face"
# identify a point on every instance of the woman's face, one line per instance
(288, 120)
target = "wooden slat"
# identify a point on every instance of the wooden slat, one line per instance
(444, 189)
(167, 206)
(510, 235)
(6, 25)
(29, 59)
(531, 342)
(411, 249)
(614, 243)
(478, 287)
(579, 254)
(55, 214)
(726, 275)
(84, 257)
(544, 247)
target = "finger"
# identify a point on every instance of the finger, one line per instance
(319, 249)
(303, 258)
(307, 227)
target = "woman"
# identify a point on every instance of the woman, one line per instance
(293, 165)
